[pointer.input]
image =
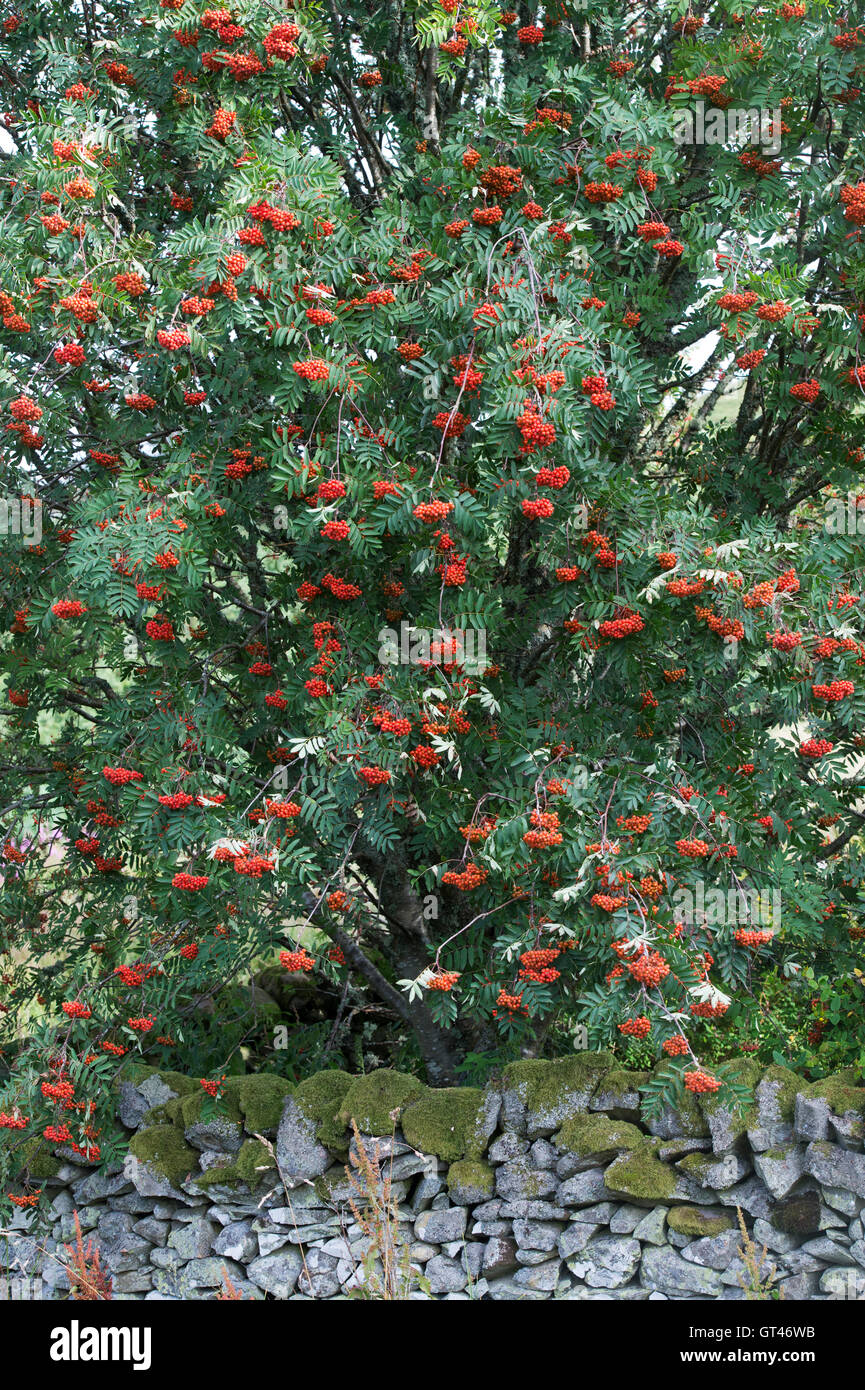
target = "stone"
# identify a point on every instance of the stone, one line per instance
(542, 1154)
(834, 1167)
(152, 1230)
(651, 1228)
(506, 1147)
(537, 1097)
(225, 1136)
(470, 1181)
(500, 1257)
(536, 1235)
(778, 1241)
(843, 1201)
(236, 1241)
(715, 1252)
(517, 1180)
(607, 1262)
(781, 1168)
(582, 1190)
(626, 1219)
(595, 1139)
(751, 1195)
(698, 1221)
(276, 1274)
(664, 1270)
(209, 1273)
(715, 1171)
(299, 1155)
(811, 1117)
(822, 1248)
(194, 1240)
(445, 1275)
(774, 1102)
(576, 1237)
(542, 1278)
(437, 1227)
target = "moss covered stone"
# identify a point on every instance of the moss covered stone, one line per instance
(470, 1181)
(443, 1122)
(319, 1099)
(254, 1162)
(260, 1099)
(842, 1097)
(551, 1091)
(642, 1174)
(598, 1136)
(38, 1159)
(183, 1085)
(696, 1221)
(373, 1101)
(685, 1118)
(782, 1085)
(164, 1149)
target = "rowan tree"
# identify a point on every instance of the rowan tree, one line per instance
(449, 546)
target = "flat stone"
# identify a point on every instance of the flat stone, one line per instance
(437, 1227)
(542, 1278)
(500, 1257)
(781, 1168)
(664, 1270)
(714, 1252)
(835, 1167)
(583, 1189)
(651, 1228)
(607, 1262)
(237, 1241)
(445, 1275)
(576, 1237)
(536, 1235)
(194, 1240)
(518, 1180)
(811, 1119)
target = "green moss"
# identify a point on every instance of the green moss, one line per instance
(320, 1098)
(544, 1086)
(620, 1082)
(693, 1221)
(840, 1094)
(260, 1099)
(163, 1148)
(220, 1176)
(472, 1179)
(744, 1071)
(38, 1159)
(371, 1101)
(253, 1162)
(642, 1174)
(443, 1122)
(597, 1134)
(788, 1084)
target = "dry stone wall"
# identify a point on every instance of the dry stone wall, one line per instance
(553, 1182)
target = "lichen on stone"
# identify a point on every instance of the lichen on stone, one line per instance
(375, 1101)
(443, 1122)
(842, 1096)
(163, 1148)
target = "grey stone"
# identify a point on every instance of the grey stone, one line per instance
(541, 1278)
(437, 1227)
(276, 1274)
(542, 1154)
(151, 1229)
(500, 1257)
(583, 1189)
(222, 1135)
(298, 1153)
(626, 1219)
(835, 1167)
(445, 1275)
(843, 1201)
(779, 1241)
(822, 1248)
(147, 1181)
(507, 1147)
(651, 1228)
(536, 1235)
(811, 1120)
(725, 1170)
(715, 1252)
(518, 1180)
(607, 1262)
(194, 1239)
(664, 1270)
(576, 1237)
(781, 1168)
(534, 1211)
(751, 1195)
(209, 1273)
(237, 1241)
